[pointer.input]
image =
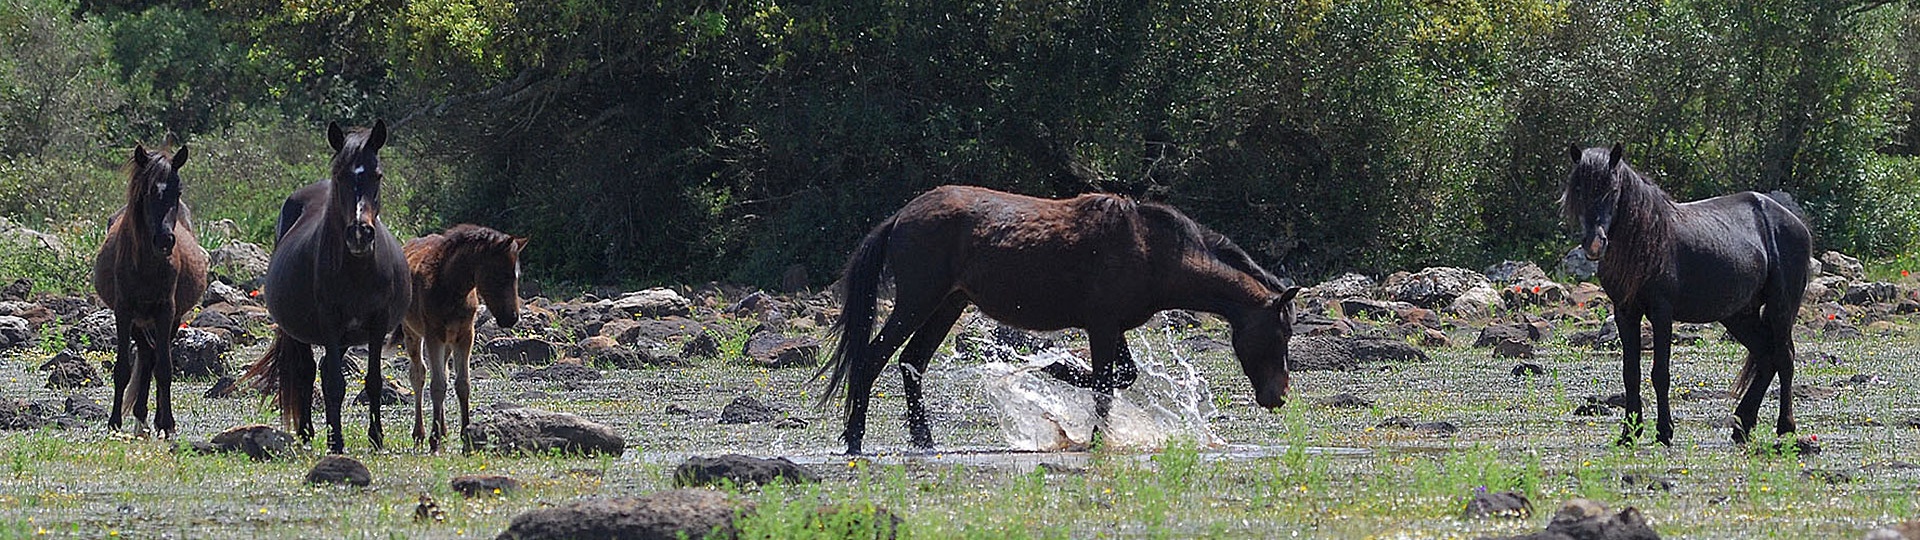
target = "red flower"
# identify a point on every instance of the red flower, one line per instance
(1831, 316)
(256, 292)
(1536, 289)
(1904, 273)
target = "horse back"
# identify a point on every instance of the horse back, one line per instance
(1736, 253)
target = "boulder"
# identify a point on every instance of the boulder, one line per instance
(1477, 301)
(1347, 353)
(1348, 285)
(602, 351)
(36, 315)
(1367, 308)
(1505, 504)
(653, 303)
(702, 345)
(527, 430)
(747, 410)
(1434, 287)
(1535, 293)
(220, 292)
(260, 442)
(68, 370)
(773, 350)
(340, 470)
(18, 290)
(1532, 332)
(1576, 265)
(667, 515)
(200, 353)
(1515, 271)
(484, 485)
(238, 262)
(740, 470)
(1513, 348)
(81, 407)
(522, 351)
(94, 332)
(1836, 264)
(1582, 519)
(1860, 294)
(15, 333)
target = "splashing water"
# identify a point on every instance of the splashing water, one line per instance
(1040, 413)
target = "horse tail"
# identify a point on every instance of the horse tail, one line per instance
(279, 372)
(1745, 378)
(860, 288)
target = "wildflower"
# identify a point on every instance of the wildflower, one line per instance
(1536, 289)
(255, 293)
(1904, 273)
(1832, 316)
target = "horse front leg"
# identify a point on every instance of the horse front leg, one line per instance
(417, 378)
(376, 385)
(1108, 349)
(457, 355)
(143, 360)
(333, 386)
(124, 356)
(162, 369)
(1628, 323)
(1662, 321)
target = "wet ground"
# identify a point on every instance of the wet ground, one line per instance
(1308, 471)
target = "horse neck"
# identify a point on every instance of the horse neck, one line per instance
(1641, 237)
(456, 270)
(1221, 290)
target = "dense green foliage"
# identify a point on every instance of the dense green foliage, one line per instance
(647, 141)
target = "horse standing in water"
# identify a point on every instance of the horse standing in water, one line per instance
(150, 272)
(452, 274)
(336, 279)
(1098, 262)
(1738, 259)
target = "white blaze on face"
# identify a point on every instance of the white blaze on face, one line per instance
(359, 209)
(359, 170)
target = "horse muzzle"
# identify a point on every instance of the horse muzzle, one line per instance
(164, 244)
(1271, 397)
(1595, 248)
(507, 321)
(360, 239)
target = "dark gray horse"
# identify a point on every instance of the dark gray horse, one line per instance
(1738, 259)
(337, 279)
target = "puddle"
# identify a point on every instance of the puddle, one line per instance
(1001, 458)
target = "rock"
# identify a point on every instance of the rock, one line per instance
(1348, 285)
(790, 423)
(602, 351)
(68, 370)
(1513, 348)
(21, 238)
(1576, 265)
(1535, 293)
(772, 350)
(703, 345)
(1344, 400)
(37, 316)
(94, 332)
(1860, 294)
(1528, 369)
(263, 442)
(1582, 519)
(1904, 531)
(636, 331)
(740, 471)
(562, 372)
(747, 410)
(1438, 429)
(1531, 332)
(1505, 504)
(219, 292)
(1834, 263)
(1647, 482)
(1515, 271)
(340, 470)
(1368, 308)
(526, 430)
(1594, 407)
(753, 304)
(209, 318)
(239, 262)
(653, 303)
(15, 333)
(225, 387)
(19, 290)
(1346, 353)
(1825, 289)
(485, 485)
(1431, 338)
(1434, 287)
(1588, 295)
(1477, 301)
(81, 407)
(1400, 422)
(680, 513)
(391, 393)
(199, 353)
(1829, 476)
(428, 510)
(522, 351)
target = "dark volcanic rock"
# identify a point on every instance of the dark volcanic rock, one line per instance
(747, 410)
(523, 351)
(1530, 332)
(1582, 519)
(68, 370)
(340, 470)
(85, 409)
(772, 350)
(740, 470)
(225, 387)
(667, 515)
(1346, 353)
(18, 415)
(391, 393)
(1513, 348)
(16, 291)
(199, 353)
(701, 345)
(1528, 369)
(1860, 294)
(94, 332)
(1344, 400)
(1647, 482)
(15, 332)
(258, 441)
(483, 485)
(521, 429)
(1505, 504)
(36, 315)
(602, 351)
(565, 372)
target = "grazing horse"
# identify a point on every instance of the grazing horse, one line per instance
(336, 279)
(1099, 262)
(1738, 259)
(452, 274)
(150, 271)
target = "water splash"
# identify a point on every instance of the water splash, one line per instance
(1037, 412)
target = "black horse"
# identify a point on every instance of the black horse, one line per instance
(1739, 259)
(1098, 262)
(337, 279)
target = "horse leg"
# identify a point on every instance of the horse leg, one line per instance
(333, 386)
(1782, 361)
(914, 359)
(908, 313)
(123, 360)
(1758, 371)
(376, 385)
(142, 375)
(1628, 323)
(417, 377)
(458, 354)
(1124, 370)
(1108, 348)
(441, 354)
(1662, 320)
(162, 373)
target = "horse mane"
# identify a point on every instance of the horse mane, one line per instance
(1640, 240)
(1201, 238)
(457, 243)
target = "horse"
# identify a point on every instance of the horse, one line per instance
(1737, 259)
(452, 273)
(150, 271)
(1099, 262)
(336, 279)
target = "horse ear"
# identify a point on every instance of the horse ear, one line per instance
(336, 137)
(378, 138)
(1573, 152)
(1613, 157)
(519, 243)
(180, 157)
(1287, 296)
(140, 155)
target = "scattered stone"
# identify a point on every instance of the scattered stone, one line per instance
(1514, 271)
(653, 303)
(772, 350)
(740, 470)
(680, 513)
(1530, 332)
(523, 351)
(94, 332)
(1858, 379)
(17, 291)
(1593, 407)
(225, 387)
(702, 345)
(562, 372)
(1348, 285)
(675, 408)
(68, 370)
(239, 262)
(258, 441)
(1830, 477)
(18, 415)
(527, 430)
(428, 510)
(1647, 482)
(199, 353)
(1438, 429)
(485, 485)
(1434, 287)
(1860, 294)
(1348, 353)
(1433, 338)
(790, 423)
(391, 393)
(219, 292)
(1368, 308)
(340, 470)
(15, 332)
(1528, 369)
(85, 408)
(1583, 519)
(1344, 400)
(1837, 264)
(753, 304)
(1400, 422)
(747, 410)
(1513, 348)
(1505, 504)
(603, 351)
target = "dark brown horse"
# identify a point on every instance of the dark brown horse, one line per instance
(1739, 259)
(150, 271)
(452, 274)
(336, 279)
(1099, 262)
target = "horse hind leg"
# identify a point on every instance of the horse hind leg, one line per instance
(909, 313)
(913, 364)
(1755, 373)
(417, 379)
(1781, 336)
(161, 369)
(457, 355)
(124, 358)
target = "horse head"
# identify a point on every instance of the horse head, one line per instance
(1593, 193)
(1260, 338)
(356, 181)
(499, 281)
(153, 198)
